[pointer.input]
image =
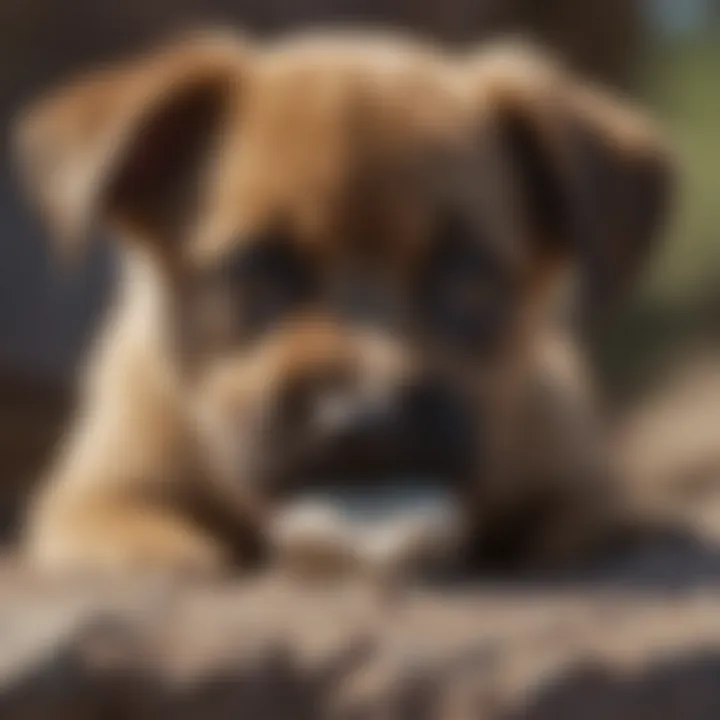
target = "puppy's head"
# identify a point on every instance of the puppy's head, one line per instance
(351, 237)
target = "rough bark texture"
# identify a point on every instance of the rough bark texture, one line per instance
(258, 650)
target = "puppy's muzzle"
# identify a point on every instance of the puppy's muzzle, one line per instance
(381, 487)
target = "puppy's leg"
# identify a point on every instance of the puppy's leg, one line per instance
(116, 499)
(568, 494)
(581, 523)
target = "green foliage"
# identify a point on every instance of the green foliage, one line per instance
(677, 310)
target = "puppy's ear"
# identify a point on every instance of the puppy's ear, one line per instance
(594, 177)
(128, 145)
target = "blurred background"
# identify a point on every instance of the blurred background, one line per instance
(664, 52)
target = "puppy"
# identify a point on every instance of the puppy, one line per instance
(339, 258)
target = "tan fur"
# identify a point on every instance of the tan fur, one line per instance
(352, 142)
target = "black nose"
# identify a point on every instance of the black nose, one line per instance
(444, 430)
(362, 425)
(413, 430)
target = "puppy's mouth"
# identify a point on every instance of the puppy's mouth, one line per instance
(393, 525)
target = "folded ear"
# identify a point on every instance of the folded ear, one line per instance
(594, 176)
(128, 145)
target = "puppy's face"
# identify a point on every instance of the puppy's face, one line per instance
(351, 237)
(354, 277)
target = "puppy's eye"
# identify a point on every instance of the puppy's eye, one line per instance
(264, 282)
(465, 294)
(469, 297)
(247, 292)
(468, 305)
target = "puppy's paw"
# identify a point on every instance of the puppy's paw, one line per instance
(126, 544)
